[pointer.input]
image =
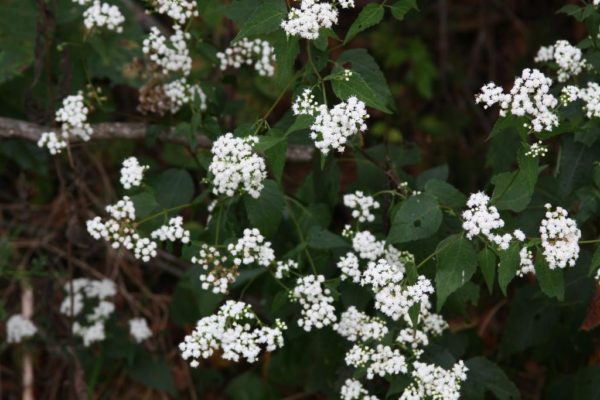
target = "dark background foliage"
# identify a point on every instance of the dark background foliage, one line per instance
(434, 60)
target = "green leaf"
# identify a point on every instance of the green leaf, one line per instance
(509, 261)
(265, 212)
(488, 264)
(402, 7)
(363, 64)
(445, 193)
(247, 386)
(319, 238)
(575, 165)
(485, 376)
(513, 190)
(153, 372)
(174, 188)
(265, 18)
(286, 51)
(144, 204)
(417, 218)
(595, 261)
(17, 36)
(357, 86)
(456, 264)
(190, 302)
(369, 16)
(552, 282)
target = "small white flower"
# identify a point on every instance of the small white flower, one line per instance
(361, 206)
(132, 173)
(248, 52)
(560, 238)
(103, 15)
(316, 302)
(18, 328)
(139, 329)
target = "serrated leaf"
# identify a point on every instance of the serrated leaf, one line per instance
(369, 16)
(358, 87)
(265, 18)
(445, 193)
(417, 218)
(144, 204)
(175, 187)
(456, 264)
(319, 238)
(153, 372)
(513, 190)
(265, 212)
(301, 122)
(402, 7)
(485, 376)
(509, 261)
(488, 263)
(552, 282)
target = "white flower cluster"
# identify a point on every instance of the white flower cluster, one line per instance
(433, 382)
(172, 231)
(560, 238)
(355, 326)
(72, 116)
(396, 301)
(82, 292)
(283, 268)
(380, 361)
(316, 302)
(233, 330)
(169, 55)
(252, 248)
(236, 167)
(305, 103)
(312, 15)
(530, 96)
(333, 127)
(350, 267)
(367, 246)
(381, 273)
(482, 219)
(354, 390)
(526, 265)
(537, 149)
(219, 276)
(569, 59)
(119, 230)
(139, 329)
(361, 206)
(132, 173)
(179, 10)
(247, 52)
(590, 95)
(18, 328)
(103, 15)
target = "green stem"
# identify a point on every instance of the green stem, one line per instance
(163, 212)
(301, 237)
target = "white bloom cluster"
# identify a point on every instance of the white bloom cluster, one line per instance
(381, 360)
(180, 93)
(179, 10)
(355, 326)
(82, 291)
(537, 149)
(245, 51)
(367, 246)
(396, 301)
(283, 268)
(349, 265)
(526, 265)
(305, 103)
(316, 302)
(333, 127)
(560, 238)
(132, 173)
(354, 390)
(590, 95)
(530, 96)
(170, 55)
(18, 328)
(233, 330)
(433, 382)
(72, 116)
(103, 15)
(482, 219)
(53, 143)
(361, 206)
(252, 248)
(235, 166)
(311, 16)
(219, 276)
(381, 274)
(139, 329)
(119, 230)
(569, 59)
(172, 231)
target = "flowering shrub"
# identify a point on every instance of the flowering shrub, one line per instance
(360, 285)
